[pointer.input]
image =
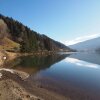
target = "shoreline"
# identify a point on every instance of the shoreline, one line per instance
(15, 82)
(22, 88)
(7, 56)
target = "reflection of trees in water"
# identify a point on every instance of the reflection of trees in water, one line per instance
(41, 61)
(35, 63)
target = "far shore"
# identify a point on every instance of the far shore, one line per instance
(10, 55)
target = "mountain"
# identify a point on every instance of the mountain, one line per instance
(14, 36)
(89, 45)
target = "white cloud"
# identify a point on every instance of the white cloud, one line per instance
(81, 63)
(81, 39)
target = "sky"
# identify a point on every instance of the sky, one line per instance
(67, 21)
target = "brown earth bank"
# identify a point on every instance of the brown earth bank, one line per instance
(13, 86)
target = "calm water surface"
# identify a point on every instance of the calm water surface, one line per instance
(76, 76)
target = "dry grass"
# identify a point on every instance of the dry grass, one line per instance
(7, 44)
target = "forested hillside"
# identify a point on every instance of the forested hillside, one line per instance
(21, 38)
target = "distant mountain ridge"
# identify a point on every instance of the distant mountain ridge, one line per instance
(88, 45)
(25, 40)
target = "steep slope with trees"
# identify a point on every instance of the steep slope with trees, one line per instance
(26, 40)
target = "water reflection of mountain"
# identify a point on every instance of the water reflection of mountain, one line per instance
(88, 57)
(31, 64)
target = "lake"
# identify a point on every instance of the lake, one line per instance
(76, 75)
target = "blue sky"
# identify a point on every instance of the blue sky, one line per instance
(62, 20)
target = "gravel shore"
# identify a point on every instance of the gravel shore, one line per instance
(13, 86)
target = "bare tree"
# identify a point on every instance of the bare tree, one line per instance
(3, 29)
